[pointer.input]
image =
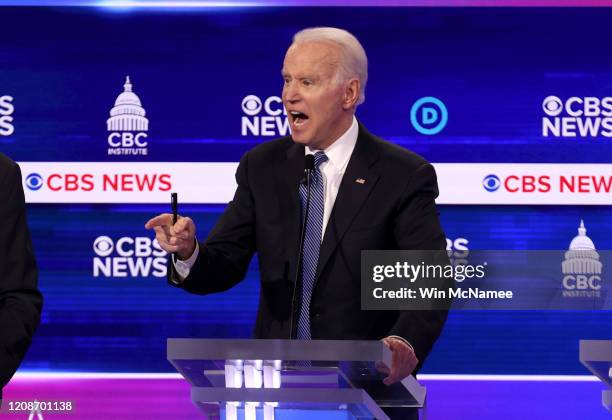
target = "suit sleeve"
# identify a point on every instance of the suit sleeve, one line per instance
(20, 300)
(224, 257)
(417, 227)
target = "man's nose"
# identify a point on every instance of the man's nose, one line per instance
(290, 93)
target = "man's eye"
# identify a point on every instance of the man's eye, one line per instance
(307, 82)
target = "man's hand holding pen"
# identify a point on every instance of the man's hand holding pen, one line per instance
(177, 238)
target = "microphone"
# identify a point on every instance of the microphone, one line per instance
(308, 168)
(308, 162)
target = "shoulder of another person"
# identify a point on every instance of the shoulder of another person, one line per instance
(7, 168)
(6, 162)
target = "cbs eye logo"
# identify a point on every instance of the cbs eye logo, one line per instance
(34, 181)
(251, 105)
(491, 183)
(552, 105)
(103, 246)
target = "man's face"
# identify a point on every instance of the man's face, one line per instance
(313, 99)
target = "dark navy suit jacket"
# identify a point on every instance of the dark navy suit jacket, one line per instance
(393, 209)
(20, 300)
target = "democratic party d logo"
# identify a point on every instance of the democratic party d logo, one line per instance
(428, 115)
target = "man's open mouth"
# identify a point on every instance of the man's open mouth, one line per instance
(298, 117)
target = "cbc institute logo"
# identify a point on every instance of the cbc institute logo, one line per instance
(127, 124)
(128, 256)
(581, 268)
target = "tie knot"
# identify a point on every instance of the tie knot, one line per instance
(319, 158)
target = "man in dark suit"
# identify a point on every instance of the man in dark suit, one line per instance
(20, 300)
(365, 194)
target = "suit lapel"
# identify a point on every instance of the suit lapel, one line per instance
(357, 183)
(291, 172)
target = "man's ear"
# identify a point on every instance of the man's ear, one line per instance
(351, 93)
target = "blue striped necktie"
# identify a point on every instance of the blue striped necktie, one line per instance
(312, 241)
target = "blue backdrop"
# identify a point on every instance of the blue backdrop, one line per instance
(492, 68)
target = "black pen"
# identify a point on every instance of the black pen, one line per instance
(174, 204)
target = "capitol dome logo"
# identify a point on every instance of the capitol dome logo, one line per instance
(128, 124)
(581, 267)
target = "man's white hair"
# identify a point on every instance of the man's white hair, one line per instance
(354, 62)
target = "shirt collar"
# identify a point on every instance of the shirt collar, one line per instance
(340, 151)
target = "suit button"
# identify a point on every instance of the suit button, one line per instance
(316, 316)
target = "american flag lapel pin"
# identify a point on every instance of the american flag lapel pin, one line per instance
(360, 181)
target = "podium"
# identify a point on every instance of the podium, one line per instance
(282, 379)
(596, 356)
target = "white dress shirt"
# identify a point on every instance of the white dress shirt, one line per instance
(338, 155)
